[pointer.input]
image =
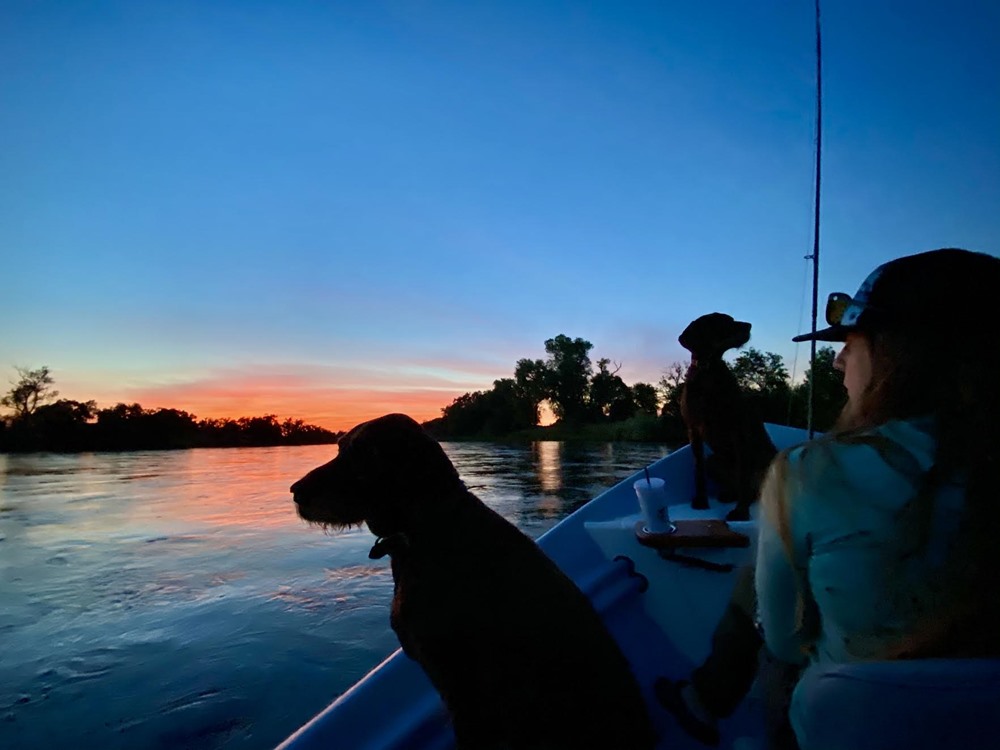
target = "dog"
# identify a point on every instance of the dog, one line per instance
(717, 414)
(518, 653)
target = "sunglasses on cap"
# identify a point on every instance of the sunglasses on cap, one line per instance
(843, 312)
(842, 309)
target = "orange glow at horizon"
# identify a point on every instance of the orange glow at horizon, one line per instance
(334, 398)
(307, 396)
(332, 408)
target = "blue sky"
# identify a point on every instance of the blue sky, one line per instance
(333, 210)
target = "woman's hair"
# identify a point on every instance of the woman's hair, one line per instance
(952, 377)
(947, 369)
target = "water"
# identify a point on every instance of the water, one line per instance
(173, 599)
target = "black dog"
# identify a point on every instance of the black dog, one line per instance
(716, 413)
(517, 652)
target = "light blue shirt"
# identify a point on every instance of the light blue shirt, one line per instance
(864, 559)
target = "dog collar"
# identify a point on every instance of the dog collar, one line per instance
(388, 545)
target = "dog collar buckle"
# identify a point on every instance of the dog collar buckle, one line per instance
(388, 546)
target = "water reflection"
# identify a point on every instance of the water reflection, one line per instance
(161, 599)
(538, 484)
(547, 454)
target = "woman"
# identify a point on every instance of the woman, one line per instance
(876, 540)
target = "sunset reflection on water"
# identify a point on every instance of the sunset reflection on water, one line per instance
(190, 501)
(549, 456)
(174, 598)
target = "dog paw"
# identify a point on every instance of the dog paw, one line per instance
(739, 513)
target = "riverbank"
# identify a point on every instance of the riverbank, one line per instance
(642, 428)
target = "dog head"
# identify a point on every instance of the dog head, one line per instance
(388, 473)
(709, 336)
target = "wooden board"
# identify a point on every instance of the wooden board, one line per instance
(693, 533)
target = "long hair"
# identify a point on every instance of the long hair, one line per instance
(949, 373)
(951, 376)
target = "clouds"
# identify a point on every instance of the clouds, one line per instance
(344, 209)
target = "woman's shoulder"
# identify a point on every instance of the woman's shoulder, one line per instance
(901, 446)
(878, 463)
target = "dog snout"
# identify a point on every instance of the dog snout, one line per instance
(305, 492)
(315, 482)
(302, 490)
(298, 487)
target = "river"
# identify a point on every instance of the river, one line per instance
(173, 599)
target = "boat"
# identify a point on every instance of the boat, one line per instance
(660, 611)
(660, 596)
(661, 603)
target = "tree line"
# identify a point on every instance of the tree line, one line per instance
(596, 402)
(588, 401)
(41, 422)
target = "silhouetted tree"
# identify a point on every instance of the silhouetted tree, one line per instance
(610, 398)
(759, 371)
(62, 426)
(32, 388)
(671, 383)
(171, 428)
(67, 425)
(646, 398)
(623, 407)
(830, 393)
(579, 395)
(532, 379)
(499, 411)
(569, 376)
(260, 430)
(763, 378)
(297, 432)
(466, 415)
(118, 427)
(671, 387)
(511, 408)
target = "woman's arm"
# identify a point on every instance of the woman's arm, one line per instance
(783, 597)
(779, 596)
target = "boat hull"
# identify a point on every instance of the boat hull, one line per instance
(661, 613)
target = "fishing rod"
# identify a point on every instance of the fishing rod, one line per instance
(815, 252)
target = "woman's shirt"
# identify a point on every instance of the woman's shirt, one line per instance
(851, 551)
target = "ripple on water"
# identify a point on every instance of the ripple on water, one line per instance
(342, 589)
(90, 665)
(177, 539)
(173, 599)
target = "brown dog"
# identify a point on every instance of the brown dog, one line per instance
(517, 652)
(716, 413)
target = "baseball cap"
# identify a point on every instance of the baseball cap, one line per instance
(936, 290)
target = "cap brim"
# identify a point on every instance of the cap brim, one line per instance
(833, 333)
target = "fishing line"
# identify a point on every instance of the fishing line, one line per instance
(798, 327)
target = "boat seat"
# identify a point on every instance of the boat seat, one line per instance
(932, 703)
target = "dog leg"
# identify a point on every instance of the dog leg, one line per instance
(700, 500)
(740, 513)
(741, 487)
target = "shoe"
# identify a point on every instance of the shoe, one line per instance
(670, 695)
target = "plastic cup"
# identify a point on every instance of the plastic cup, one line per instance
(653, 505)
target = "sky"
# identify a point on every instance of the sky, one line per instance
(334, 210)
